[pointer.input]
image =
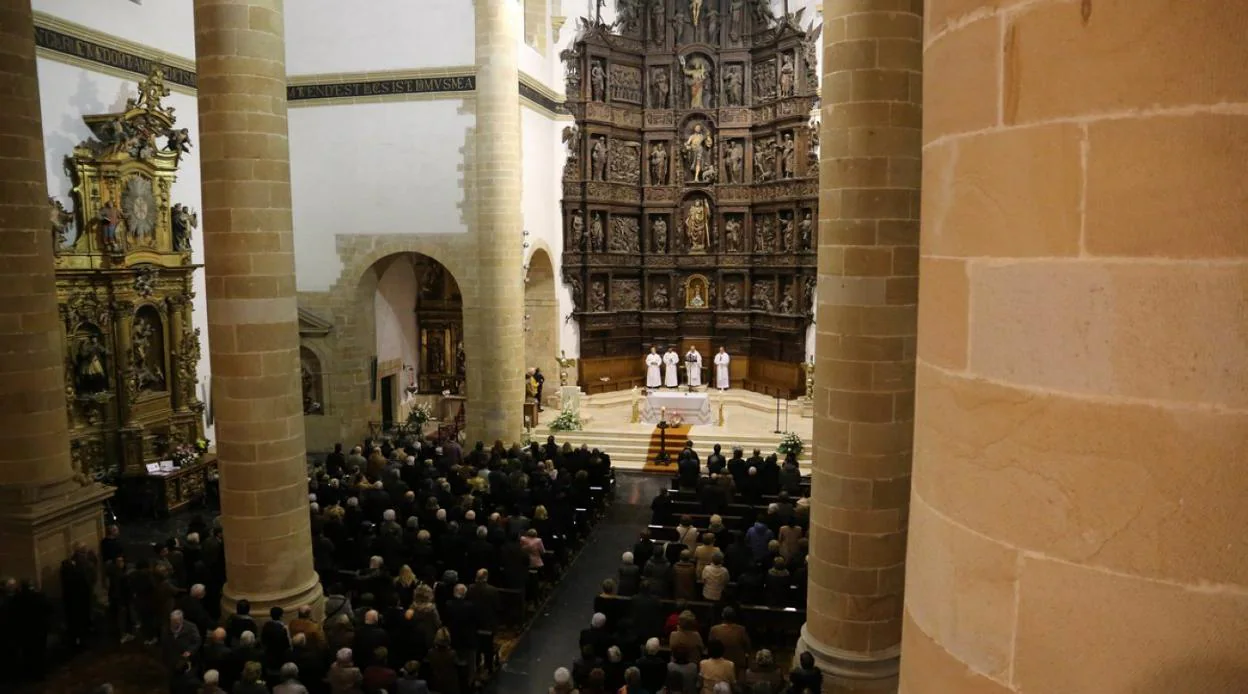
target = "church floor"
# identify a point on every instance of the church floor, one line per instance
(551, 641)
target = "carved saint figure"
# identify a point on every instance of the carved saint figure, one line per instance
(695, 11)
(60, 220)
(660, 88)
(788, 157)
(764, 235)
(733, 80)
(810, 295)
(788, 304)
(698, 226)
(786, 233)
(179, 142)
(697, 148)
(697, 77)
(710, 27)
(658, 164)
(597, 297)
(736, 19)
(657, 10)
(147, 364)
(805, 231)
(182, 219)
(628, 13)
(734, 162)
(679, 21)
(575, 285)
(786, 75)
(659, 298)
(597, 81)
(596, 233)
(762, 297)
(92, 378)
(110, 217)
(660, 235)
(577, 239)
(695, 296)
(765, 160)
(732, 295)
(435, 359)
(598, 158)
(732, 235)
(763, 16)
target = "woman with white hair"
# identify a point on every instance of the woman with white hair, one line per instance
(630, 575)
(563, 682)
(344, 677)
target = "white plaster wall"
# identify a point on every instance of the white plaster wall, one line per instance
(166, 25)
(396, 323)
(385, 168)
(66, 93)
(367, 35)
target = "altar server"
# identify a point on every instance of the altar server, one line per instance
(721, 369)
(693, 367)
(671, 360)
(653, 362)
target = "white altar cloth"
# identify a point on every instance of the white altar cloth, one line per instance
(693, 408)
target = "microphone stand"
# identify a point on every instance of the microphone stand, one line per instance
(777, 431)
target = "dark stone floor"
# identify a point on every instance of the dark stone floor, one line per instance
(551, 641)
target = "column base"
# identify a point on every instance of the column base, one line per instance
(309, 594)
(845, 671)
(36, 537)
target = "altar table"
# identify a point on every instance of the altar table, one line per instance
(693, 408)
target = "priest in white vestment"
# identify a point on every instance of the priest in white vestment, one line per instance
(671, 360)
(721, 369)
(693, 367)
(653, 361)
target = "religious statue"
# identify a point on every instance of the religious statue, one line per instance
(179, 142)
(732, 234)
(697, 78)
(736, 19)
(762, 297)
(809, 368)
(575, 285)
(598, 158)
(628, 14)
(659, 227)
(733, 80)
(577, 239)
(764, 235)
(695, 11)
(89, 366)
(564, 364)
(308, 379)
(660, 88)
(788, 154)
(697, 148)
(431, 282)
(658, 164)
(806, 231)
(435, 356)
(734, 162)
(764, 160)
(571, 140)
(694, 299)
(812, 145)
(788, 303)
(763, 16)
(60, 219)
(597, 81)
(182, 219)
(657, 11)
(597, 297)
(710, 33)
(697, 226)
(147, 363)
(786, 233)
(732, 296)
(110, 218)
(658, 299)
(786, 75)
(596, 233)
(811, 285)
(461, 360)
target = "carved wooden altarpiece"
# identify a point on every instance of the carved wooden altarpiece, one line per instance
(124, 284)
(692, 167)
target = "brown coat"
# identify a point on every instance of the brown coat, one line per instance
(311, 630)
(714, 671)
(684, 581)
(688, 641)
(736, 642)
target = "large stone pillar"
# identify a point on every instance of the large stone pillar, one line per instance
(253, 337)
(496, 355)
(1082, 418)
(43, 510)
(865, 337)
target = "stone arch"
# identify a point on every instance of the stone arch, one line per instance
(541, 325)
(351, 301)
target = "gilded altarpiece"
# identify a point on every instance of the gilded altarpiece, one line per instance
(124, 284)
(690, 188)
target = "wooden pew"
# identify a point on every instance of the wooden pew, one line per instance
(768, 626)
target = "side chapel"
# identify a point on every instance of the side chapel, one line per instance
(690, 189)
(124, 285)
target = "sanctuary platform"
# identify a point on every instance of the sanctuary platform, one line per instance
(738, 418)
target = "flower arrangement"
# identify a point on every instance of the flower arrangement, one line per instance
(790, 443)
(201, 445)
(675, 420)
(568, 420)
(185, 455)
(420, 413)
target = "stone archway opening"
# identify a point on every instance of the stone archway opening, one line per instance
(418, 341)
(541, 322)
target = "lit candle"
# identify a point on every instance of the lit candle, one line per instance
(662, 413)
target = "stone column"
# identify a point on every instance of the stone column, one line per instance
(253, 336)
(496, 357)
(865, 338)
(43, 510)
(1082, 414)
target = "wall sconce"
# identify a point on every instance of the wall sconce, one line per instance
(526, 239)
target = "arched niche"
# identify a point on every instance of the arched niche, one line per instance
(541, 319)
(148, 356)
(312, 377)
